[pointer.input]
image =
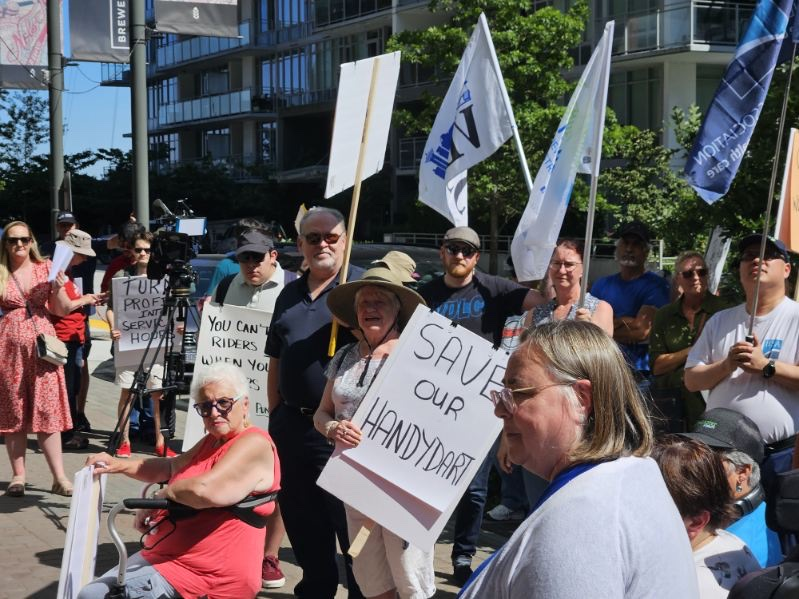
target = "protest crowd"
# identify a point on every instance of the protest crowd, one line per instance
(645, 437)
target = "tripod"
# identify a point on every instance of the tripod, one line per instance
(176, 309)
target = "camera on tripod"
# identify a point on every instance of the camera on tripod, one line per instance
(173, 248)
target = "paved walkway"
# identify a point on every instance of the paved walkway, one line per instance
(32, 528)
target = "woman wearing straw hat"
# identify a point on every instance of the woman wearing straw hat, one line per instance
(378, 306)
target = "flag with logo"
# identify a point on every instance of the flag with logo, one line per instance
(99, 30)
(787, 226)
(577, 147)
(216, 18)
(730, 121)
(472, 123)
(23, 44)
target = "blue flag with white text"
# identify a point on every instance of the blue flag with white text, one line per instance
(731, 118)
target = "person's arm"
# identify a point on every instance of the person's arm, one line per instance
(665, 363)
(151, 470)
(246, 467)
(273, 398)
(749, 358)
(602, 316)
(532, 299)
(706, 376)
(629, 329)
(661, 361)
(324, 419)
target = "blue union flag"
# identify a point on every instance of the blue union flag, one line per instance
(725, 133)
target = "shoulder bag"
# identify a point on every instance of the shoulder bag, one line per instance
(48, 347)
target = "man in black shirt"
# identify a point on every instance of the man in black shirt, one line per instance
(480, 303)
(297, 348)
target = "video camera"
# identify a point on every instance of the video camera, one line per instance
(173, 248)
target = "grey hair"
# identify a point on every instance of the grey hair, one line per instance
(322, 210)
(220, 372)
(738, 459)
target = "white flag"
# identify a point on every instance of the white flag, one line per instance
(577, 146)
(472, 123)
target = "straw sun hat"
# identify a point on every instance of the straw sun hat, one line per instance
(341, 300)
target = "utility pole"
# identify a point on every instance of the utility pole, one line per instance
(55, 87)
(138, 102)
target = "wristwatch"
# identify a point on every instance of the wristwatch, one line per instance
(769, 369)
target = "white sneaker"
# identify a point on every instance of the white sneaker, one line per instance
(502, 513)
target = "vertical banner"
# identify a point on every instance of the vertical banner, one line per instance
(99, 30)
(23, 44)
(718, 246)
(787, 226)
(236, 335)
(217, 18)
(427, 422)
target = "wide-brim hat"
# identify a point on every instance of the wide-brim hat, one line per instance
(399, 263)
(341, 300)
(79, 242)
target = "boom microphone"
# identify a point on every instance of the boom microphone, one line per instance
(162, 207)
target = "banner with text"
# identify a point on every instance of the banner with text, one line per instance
(217, 18)
(427, 424)
(236, 335)
(138, 303)
(23, 45)
(98, 30)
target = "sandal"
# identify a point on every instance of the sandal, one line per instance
(62, 487)
(16, 488)
(76, 443)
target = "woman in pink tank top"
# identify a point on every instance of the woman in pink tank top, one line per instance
(212, 553)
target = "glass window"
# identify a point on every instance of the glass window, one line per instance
(708, 77)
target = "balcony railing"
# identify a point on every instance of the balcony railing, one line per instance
(283, 34)
(411, 150)
(206, 107)
(201, 46)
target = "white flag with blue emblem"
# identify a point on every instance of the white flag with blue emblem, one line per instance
(471, 124)
(577, 146)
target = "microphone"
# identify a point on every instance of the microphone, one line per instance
(186, 208)
(162, 207)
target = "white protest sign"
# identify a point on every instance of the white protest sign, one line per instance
(716, 255)
(83, 530)
(353, 123)
(427, 424)
(236, 335)
(60, 261)
(138, 304)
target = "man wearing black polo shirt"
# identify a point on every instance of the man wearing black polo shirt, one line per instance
(480, 303)
(297, 349)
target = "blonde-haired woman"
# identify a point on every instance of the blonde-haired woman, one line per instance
(33, 395)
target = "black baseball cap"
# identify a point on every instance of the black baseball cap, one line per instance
(634, 228)
(721, 428)
(756, 238)
(66, 217)
(254, 241)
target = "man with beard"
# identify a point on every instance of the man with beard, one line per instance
(297, 348)
(481, 303)
(635, 295)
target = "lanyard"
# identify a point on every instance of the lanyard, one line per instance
(557, 483)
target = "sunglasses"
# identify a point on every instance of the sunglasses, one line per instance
(223, 406)
(465, 250)
(142, 250)
(569, 266)
(689, 274)
(16, 240)
(316, 238)
(505, 395)
(251, 257)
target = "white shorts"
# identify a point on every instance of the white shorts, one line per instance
(387, 562)
(155, 381)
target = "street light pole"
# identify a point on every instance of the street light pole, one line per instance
(138, 102)
(55, 87)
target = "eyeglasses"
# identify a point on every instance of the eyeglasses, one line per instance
(769, 255)
(142, 250)
(689, 274)
(316, 238)
(465, 250)
(223, 406)
(250, 257)
(569, 266)
(16, 240)
(505, 396)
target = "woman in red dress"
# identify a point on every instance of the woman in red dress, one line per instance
(33, 396)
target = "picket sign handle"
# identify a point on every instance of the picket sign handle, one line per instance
(356, 196)
(360, 539)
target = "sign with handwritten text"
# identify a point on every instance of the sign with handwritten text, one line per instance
(427, 424)
(236, 335)
(138, 303)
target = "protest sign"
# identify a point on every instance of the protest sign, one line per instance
(427, 424)
(718, 246)
(60, 260)
(138, 304)
(83, 529)
(236, 335)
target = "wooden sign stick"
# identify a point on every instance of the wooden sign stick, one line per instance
(360, 539)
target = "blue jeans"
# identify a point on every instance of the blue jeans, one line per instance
(72, 375)
(142, 581)
(469, 514)
(512, 494)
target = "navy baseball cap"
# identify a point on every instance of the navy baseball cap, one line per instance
(756, 238)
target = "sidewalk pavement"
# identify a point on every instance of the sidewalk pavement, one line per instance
(32, 528)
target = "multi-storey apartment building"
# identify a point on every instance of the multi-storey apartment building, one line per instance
(262, 104)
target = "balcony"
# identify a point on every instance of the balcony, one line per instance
(201, 47)
(204, 108)
(702, 22)
(411, 150)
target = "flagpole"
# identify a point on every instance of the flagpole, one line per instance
(508, 108)
(767, 221)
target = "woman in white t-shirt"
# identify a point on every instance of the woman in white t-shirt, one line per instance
(697, 481)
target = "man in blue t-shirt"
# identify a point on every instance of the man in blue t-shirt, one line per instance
(635, 295)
